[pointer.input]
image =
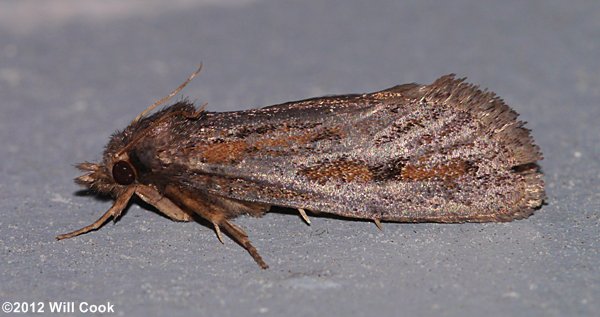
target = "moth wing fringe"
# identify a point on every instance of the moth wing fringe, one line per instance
(497, 118)
(500, 122)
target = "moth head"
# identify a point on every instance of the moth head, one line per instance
(110, 178)
(116, 172)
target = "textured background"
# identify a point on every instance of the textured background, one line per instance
(73, 72)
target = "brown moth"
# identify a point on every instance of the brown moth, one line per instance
(444, 152)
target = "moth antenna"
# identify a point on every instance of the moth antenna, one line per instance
(194, 115)
(169, 96)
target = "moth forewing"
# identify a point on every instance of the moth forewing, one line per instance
(445, 152)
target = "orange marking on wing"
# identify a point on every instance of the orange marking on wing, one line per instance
(346, 171)
(226, 152)
(451, 170)
(263, 143)
(298, 139)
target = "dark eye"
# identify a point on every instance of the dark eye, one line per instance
(123, 173)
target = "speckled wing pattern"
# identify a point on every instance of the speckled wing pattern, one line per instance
(445, 152)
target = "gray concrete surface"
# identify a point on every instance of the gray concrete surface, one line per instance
(71, 73)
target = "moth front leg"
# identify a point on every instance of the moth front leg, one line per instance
(214, 209)
(114, 212)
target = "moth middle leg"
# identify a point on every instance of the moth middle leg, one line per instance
(217, 210)
(162, 203)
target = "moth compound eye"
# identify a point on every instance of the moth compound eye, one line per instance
(123, 173)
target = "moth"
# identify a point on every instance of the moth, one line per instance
(445, 152)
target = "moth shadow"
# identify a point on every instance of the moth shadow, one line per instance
(146, 206)
(313, 214)
(89, 192)
(135, 201)
(205, 223)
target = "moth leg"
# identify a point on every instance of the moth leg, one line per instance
(114, 211)
(212, 209)
(303, 215)
(162, 203)
(242, 238)
(203, 208)
(218, 231)
(378, 223)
